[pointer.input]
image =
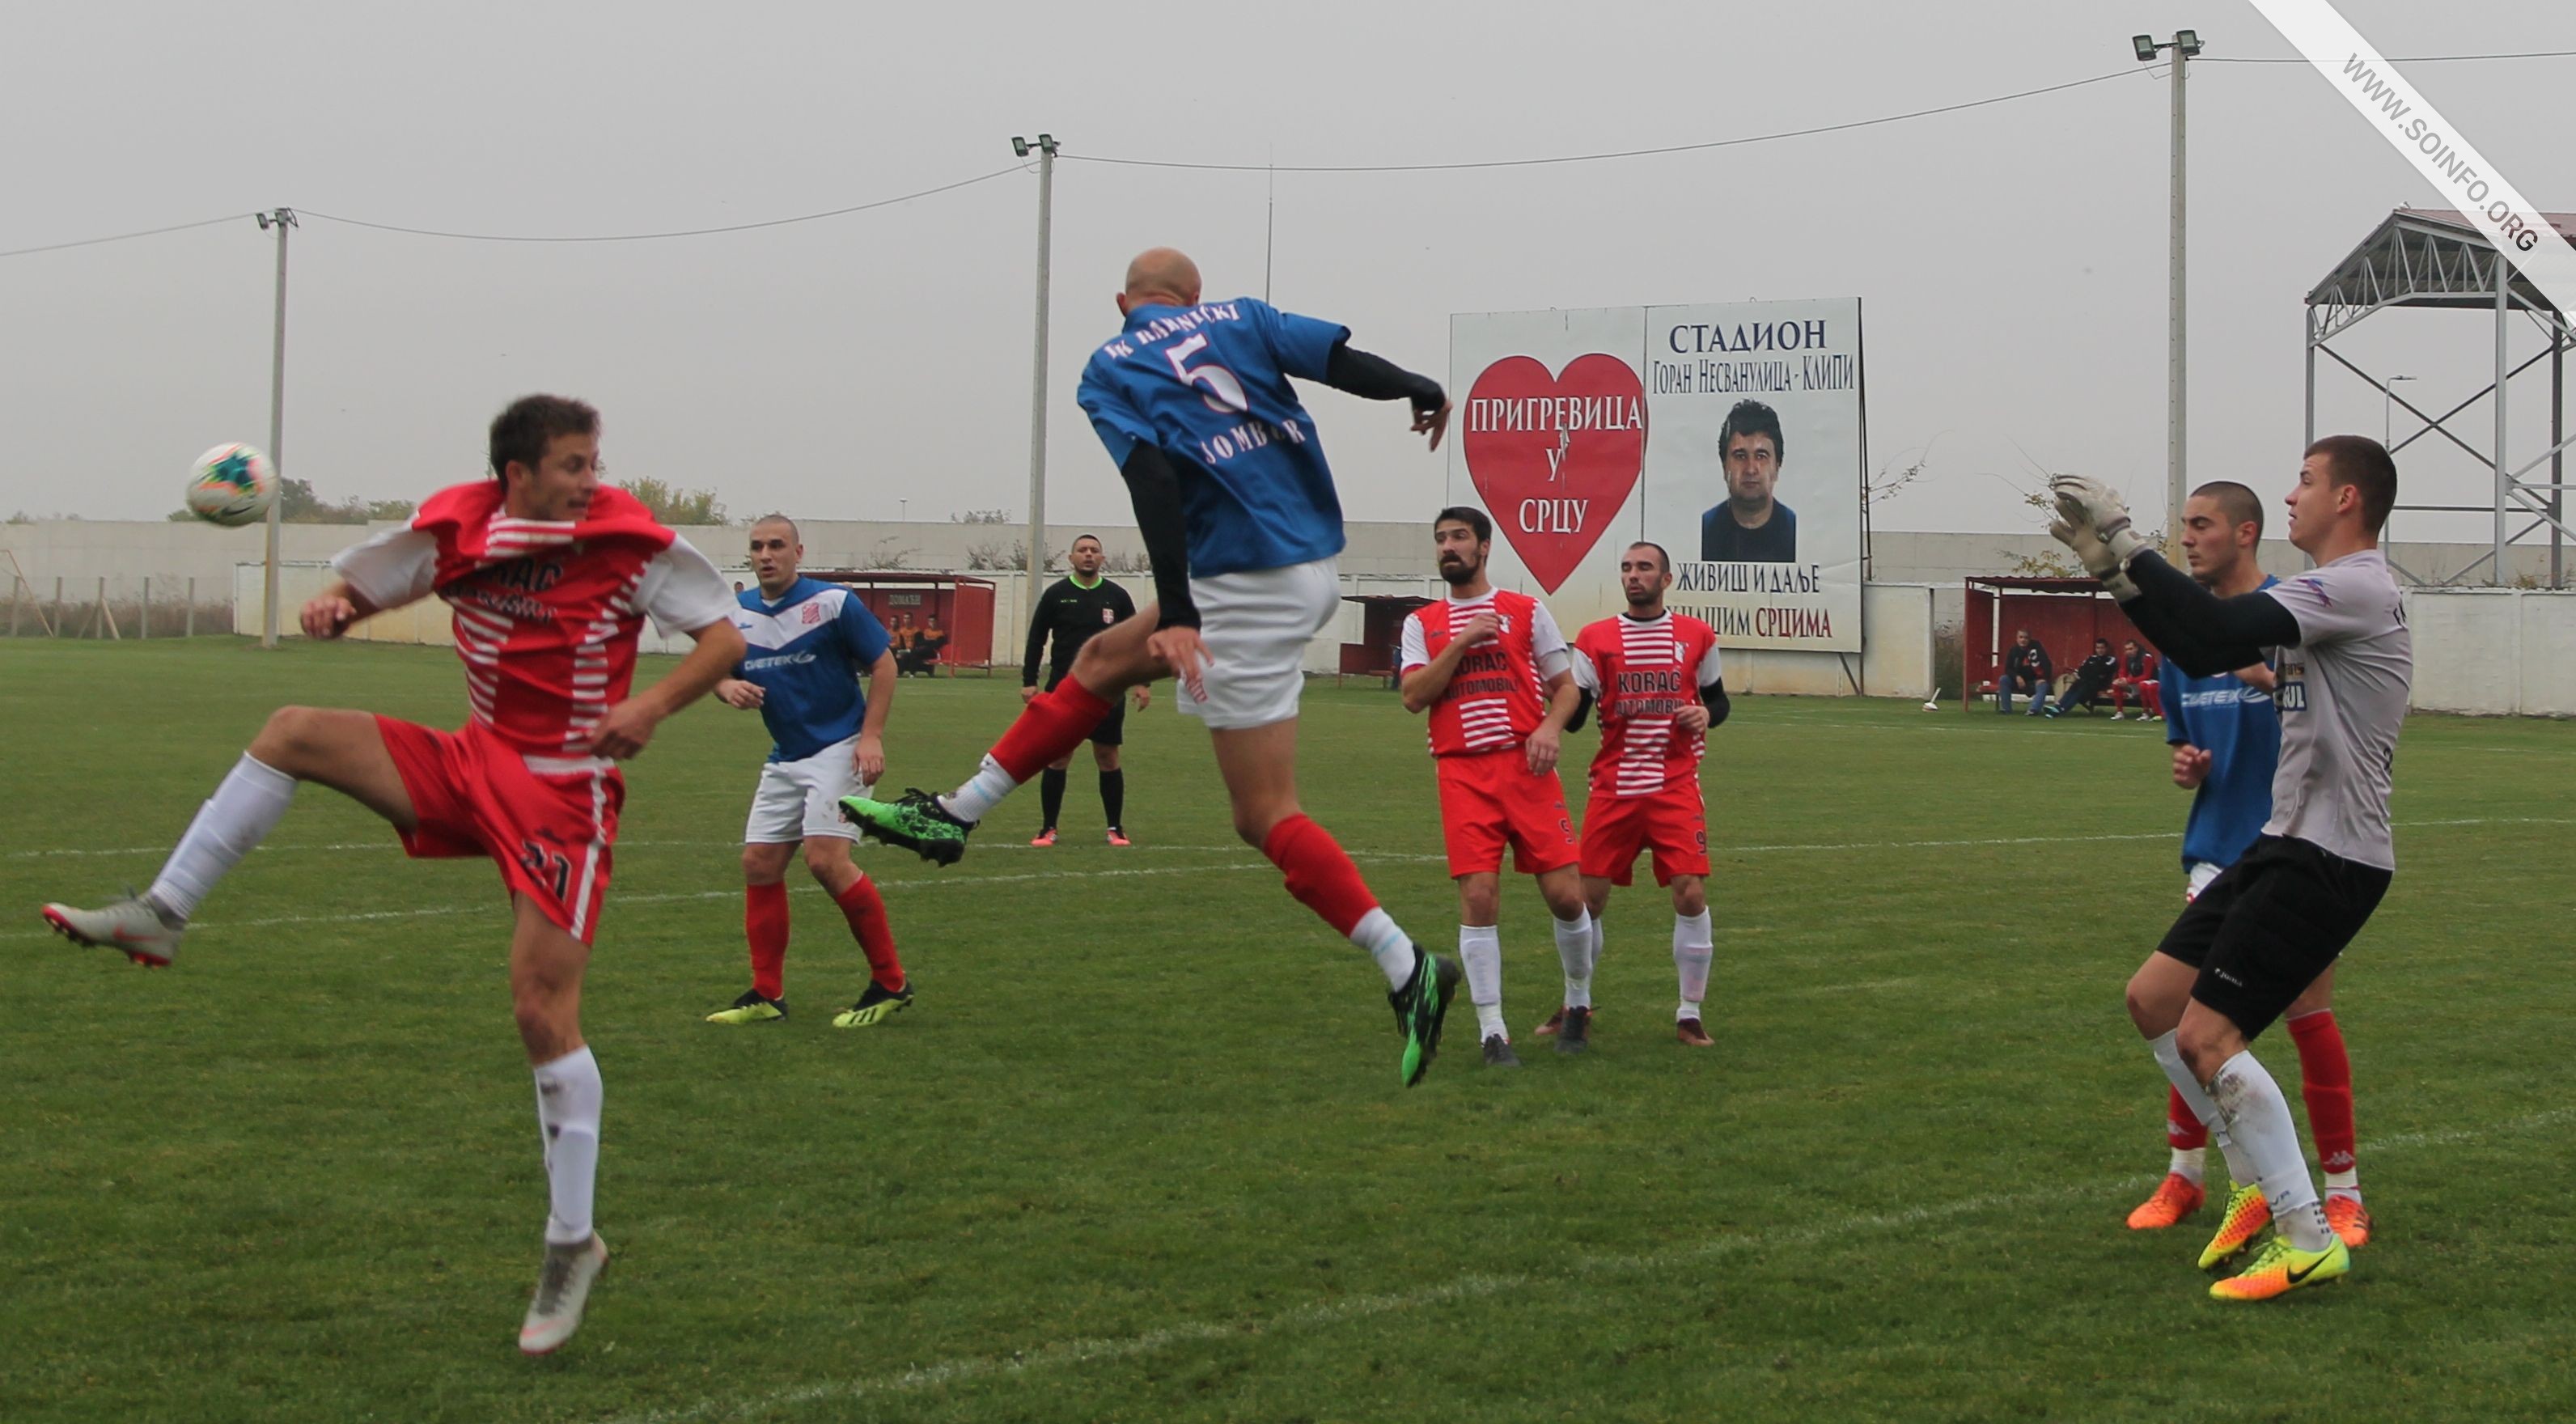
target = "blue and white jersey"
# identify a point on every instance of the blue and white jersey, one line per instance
(807, 652)
(1208, 386)
(2240, 728)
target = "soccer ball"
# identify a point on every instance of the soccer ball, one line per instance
(231, 485)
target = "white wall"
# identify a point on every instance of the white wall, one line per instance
(2494, 651)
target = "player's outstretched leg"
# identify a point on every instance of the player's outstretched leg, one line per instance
(1049, 730)
(340, 749)
(889, 990)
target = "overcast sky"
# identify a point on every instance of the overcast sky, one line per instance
(2011, 260)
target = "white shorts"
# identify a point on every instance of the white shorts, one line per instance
(2201, 872)
(1256, 626)
(799, 799)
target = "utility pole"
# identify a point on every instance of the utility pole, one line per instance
(1045, 146)
(2184, 45)
(280, 219)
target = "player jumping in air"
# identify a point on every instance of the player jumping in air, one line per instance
(2263, 931)
(1491, 667)
(1227, 474)
(550, 574)
(1656, 678)
(807, 642)
(2227, 743)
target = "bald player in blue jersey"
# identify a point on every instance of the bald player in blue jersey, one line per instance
(1226, 471)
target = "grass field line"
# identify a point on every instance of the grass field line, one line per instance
(1064, 1354)
(393, 845)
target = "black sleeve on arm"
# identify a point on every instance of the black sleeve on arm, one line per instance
(1376, 378)
(1582, 709)
(1713, 697)
(1154, 488)
(2195, 629)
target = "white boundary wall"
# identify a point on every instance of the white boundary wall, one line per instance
(2506, 652)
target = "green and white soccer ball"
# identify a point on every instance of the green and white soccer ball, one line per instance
(231, 485)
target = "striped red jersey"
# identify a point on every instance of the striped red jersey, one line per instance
(546, 613)
(1498, 694)
(1640, 672)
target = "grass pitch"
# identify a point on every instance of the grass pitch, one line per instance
(1139, 1152)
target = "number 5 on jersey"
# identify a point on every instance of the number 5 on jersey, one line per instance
(1225, 392)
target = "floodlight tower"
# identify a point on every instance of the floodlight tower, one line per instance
(2184, 44)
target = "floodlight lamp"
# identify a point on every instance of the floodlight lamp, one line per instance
(2145, 45)
(2187, 42)
(1019, 147)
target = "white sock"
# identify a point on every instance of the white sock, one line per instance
(2344, 1184)
(976, 799)
(2259, 1117)
(1578, 945)
(2240, 1168)
(1693, 948)
(2186, 1163)
(241, 813)
(1480, 948)
(568, 1096)
(1389, 946)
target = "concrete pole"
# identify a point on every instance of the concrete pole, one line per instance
(281, 219)
(2176, 392)
(1038, 369)
(2496, 572)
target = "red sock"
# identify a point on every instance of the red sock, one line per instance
(2154, 695)
(1050, 729)
(764, 923)
(2325, 1074)
(864, 908)
(1319, 874)
(2184, 1130)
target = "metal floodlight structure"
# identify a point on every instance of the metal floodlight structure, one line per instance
(2424, 259)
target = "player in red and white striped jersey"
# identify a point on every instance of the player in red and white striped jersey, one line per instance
(1489, 665)
(1654, 675)
(550, 574)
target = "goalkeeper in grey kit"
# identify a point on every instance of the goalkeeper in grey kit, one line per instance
(2282, 914)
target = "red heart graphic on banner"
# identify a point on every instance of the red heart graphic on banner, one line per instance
(1555, 457)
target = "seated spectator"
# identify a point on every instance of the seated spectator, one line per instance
(2026, 669)
(928, 647)
(2136, 675)
(2092, 680)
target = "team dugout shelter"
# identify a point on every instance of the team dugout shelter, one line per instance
(963, 606)
(2064, 615)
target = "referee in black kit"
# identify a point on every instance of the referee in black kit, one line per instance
(1070, 611)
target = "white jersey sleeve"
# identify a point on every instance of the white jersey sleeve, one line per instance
(1587, 673)
(683, 591)
(2349, 598)
(391, 567)
(1547, 644)
(1712, 667)
(1413, 653)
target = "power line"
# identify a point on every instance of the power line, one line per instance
(658, 236)
(125, 236)
(1598, 157)
(2393, 59)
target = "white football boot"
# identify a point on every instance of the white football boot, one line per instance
(132, 926)
(563, 1289)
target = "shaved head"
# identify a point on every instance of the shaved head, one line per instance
(1166, 273)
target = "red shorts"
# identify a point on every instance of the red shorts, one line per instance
(1673, 823)
(551, 833)
(1488, 798)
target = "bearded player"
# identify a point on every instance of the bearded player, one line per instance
(2260, 934)
(1656, 677)
(1236, 505)
(2226, 736)
(809, 642)
(1490, 666)
(550, 574)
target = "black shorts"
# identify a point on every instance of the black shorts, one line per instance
(1112, 730)
(2269, 925)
